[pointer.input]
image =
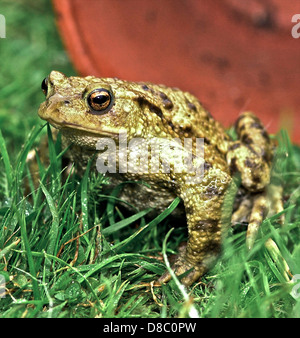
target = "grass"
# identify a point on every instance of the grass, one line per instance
(69, 249)
(32, 49)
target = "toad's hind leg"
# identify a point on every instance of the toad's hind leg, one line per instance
(241, 214)
(258, 212)
(252, 154)
(264, 204)
(256, 207)
(251, 157)
(275, 196)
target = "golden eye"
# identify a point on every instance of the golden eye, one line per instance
(100, 99)
(44, 86)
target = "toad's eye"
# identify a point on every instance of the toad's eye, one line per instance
(44, 86)
(100, 100)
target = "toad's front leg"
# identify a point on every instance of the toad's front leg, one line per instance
(203, 247)
(203, 205)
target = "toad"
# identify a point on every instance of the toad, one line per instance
(89, 109)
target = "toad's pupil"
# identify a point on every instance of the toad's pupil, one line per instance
(100, 99)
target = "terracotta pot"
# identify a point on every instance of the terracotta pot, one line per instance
(233, 55)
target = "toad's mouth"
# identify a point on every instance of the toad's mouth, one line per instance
(87, 139)
(68, 127)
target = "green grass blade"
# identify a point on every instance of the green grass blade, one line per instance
(7, 165)
(52, 154)
(21, 161)
(123, 223)
(148, 226)
(35, 287)
(85, 199)
(53, 233)
(8, 248)
(83, 277)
